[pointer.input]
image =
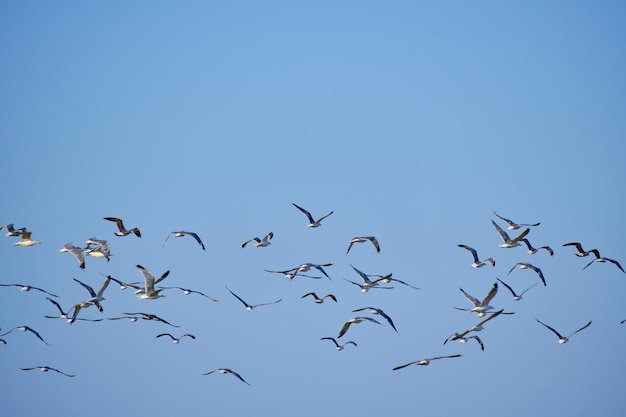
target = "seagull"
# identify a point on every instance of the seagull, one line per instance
(124, 285)
(378, 311)
(424, 361)
(77, 252)
(181, 234)
(513, 225)
(319, 300)
(368, 284)
(464, 339)
(362, 239)
(225, 371)
(95, 297)
(357, 320)
(476, 328)
(260, 243)
(508, 243)
(532, 250)
(251, 307)
(101, 249)
(149, 293)
(26, 240)
(291, 273)
(306, 267)
(122, 229)
(187, 291)
(26, 288)
(603, 259)
(523, 265)
(480, 307)
(386, 279)
(312, 222)
(26, 329)
(477, 263)
(147, 316)
(516, 297)
(338, 346)
(46, 369)
(176, 340)
(581, 252)
(12, 231)
(561, 338)
(65, 315)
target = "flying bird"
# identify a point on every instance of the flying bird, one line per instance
(65, 315)
(12, 231)
(516, 297)
(187, 291)
(291, 273)
(532, 250)
(508, 242)
(362, 239)
(354, 320)
(378, 311)
(338, 346)
(476, 328)
(386, 279)
(77, 252)
(603, 259)
(181, 234)
(319, 300)
(581, 252)
(250, 307)
(174, 339)
(563, 339)
(100, 248)
(480, 307)
(26, 288)
(513, 225)
(477, 263)
(122, 230)
(124, 285)
(26, 329)
(306, 267)
(424, 362)
(26, 240)
(149, 293)
(524, 265)
(225, 371)
(95, 297)
(260, 243)
(153, 317)
(46, 369)
(312, 222)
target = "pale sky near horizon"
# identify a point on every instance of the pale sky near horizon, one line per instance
(412, 122)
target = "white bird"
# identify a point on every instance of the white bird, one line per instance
(149, 293)
(12, 231)
(476, 328)
(477, 263)
(516, 297)
(508, 242)
(65, 315)
(524, 265)
(225, 371)
(581, 252)
(424, 362)
(386, 279)
(306, 267)
(563, 339)
(604, 259)
(149, 316)
(532, 250)
(124, 285)
(368, 284)
(101, 248)
(260, 243)
(77, 252)
(312, 222)
(122, 230)
(26, 240)
(513, 225)
(174, 339)
(354, 320)
(181, 234)
(362, 239)
(46, 369)
(378, 311)
(319, 300)
(26, 329)
(250, 307)
(187, 291)
(95, 297)
(26, 288)
(480, 307)
(338, 346)
(291, 273)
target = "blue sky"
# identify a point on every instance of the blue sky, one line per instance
(413, 122)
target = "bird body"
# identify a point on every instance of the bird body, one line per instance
(121, 229)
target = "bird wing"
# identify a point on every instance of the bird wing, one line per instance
(505, 238)
(508, 286)
(471, 299)
(195, 235)
(239, 298)
(553, 331)
(472, 250)
(308, 215)
(584, 327)
(492, 293)
(87, 287)
(323, 217)
(509, 222)
(521, 236)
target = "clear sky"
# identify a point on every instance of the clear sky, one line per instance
(412, 121)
